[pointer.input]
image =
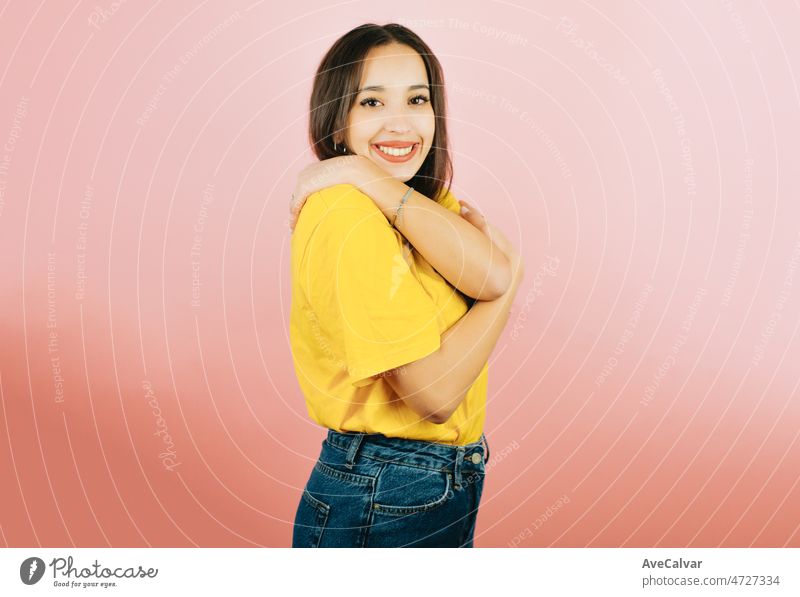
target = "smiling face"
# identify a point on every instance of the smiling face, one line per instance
(392, 122)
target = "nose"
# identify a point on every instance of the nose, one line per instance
(396, 125)
(397, 122)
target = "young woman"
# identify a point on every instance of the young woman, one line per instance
(398, 298)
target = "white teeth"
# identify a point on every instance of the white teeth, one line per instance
(396, 151)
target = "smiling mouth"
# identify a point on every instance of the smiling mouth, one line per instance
(395, 153)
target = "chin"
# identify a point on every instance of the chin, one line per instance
(402, 174)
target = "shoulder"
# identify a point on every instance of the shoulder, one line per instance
(335, 207)
(342, 211)
(344, 196)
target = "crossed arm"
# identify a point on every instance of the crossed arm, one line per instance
(461, 253)
(434, 386)
(465, 255)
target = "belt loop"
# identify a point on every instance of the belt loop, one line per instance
(486, 443)
(457, 470)
(351, 452)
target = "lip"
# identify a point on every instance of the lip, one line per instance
(395, 143)
(393, 158)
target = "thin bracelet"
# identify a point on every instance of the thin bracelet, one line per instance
(402, 201)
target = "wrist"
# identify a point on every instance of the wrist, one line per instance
(372, 180)
(360, 172)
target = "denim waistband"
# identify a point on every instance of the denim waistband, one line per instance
(420, 453)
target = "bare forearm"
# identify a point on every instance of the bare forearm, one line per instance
(435, 385)
(467, 346)
(461, 253)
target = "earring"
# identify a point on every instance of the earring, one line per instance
(336, 148)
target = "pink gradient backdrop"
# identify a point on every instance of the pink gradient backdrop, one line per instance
(643, 157)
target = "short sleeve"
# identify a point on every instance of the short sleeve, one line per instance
(387, 318)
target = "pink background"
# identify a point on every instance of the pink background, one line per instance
(643, 157)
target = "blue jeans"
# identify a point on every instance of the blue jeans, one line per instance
(369, 490)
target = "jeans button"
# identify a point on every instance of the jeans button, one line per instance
(476, 458)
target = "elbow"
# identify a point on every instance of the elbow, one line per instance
(441, 413)
(499, 280)
(439, 417)
(433, 402)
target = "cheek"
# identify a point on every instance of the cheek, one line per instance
(356, 133)
(427, 126)
(360, 137)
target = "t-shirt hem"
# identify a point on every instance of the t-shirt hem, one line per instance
(396, 359)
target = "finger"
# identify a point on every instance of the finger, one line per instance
(476, 220)
(298, 205)
(466, 206)
(472, 215)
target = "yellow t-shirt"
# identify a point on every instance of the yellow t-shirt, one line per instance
(365, 302)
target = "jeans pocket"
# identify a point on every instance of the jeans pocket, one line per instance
(340, 473)
(402, 490)
(310, 521)
(335, 507)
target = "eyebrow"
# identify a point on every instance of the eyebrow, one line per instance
(382, 88)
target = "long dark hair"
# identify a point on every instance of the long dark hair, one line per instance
(336, 86)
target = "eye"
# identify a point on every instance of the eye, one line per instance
(423, 100)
